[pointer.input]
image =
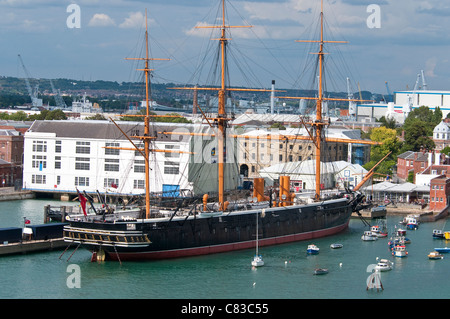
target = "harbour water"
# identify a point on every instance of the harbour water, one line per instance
(287, 273)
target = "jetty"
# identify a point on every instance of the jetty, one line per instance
(31, 238)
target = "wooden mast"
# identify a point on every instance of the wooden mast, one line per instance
(146, 138)
(222, 119)
(319, 124)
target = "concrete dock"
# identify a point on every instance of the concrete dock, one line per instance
(32, 246)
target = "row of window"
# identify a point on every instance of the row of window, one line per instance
(438, 199)
(111, 164)
(82, 147)
(84, 181)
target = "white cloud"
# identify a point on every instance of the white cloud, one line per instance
(134, 20)
(101, 20)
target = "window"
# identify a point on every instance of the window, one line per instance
(111, 182)
(82, 163)
(38, 179)
(57, 162)
(83, 148)
(57, 146)
(81, 181)
(111, 164)
(112, 151)
(40, 146)
(171, 168)
(39, 161)
(139, 184)
(139, 166)
(172, 147)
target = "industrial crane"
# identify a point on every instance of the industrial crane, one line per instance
(35, 101)
(58, 99)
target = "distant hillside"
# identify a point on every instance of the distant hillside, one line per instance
(13, 91)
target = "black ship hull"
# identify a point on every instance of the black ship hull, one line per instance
(191, 235)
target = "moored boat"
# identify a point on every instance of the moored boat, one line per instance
(336, 246)
(320, 271)
(376, 231)
(438, 234)
(443, 250)
(368, 236)
(312, 249)
(399, 251)
(435, 255)
(384, 265)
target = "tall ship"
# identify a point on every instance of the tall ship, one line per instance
(214, 224)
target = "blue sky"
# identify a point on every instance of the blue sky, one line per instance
(413, 36)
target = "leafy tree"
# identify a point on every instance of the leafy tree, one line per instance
(419, 127)
(388, 122)
(391, 143)
(446, 150)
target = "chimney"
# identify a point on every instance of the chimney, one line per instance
(430, 158)
(437, 158)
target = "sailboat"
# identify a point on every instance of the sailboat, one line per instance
(257, 260)
(226, 224)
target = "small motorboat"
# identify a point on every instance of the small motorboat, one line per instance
(412, 223)
(320, 271)
(368, 236)
(336, 246)
(312, 249)
(383, 265)
(442, 250)
(399, 251)
(376, 230)
(438, 234)
(435, 255)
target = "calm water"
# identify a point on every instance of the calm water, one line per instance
(287, 274)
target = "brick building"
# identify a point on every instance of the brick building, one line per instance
(439, 193)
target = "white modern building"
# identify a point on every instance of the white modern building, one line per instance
(62, 156)
(405, 102)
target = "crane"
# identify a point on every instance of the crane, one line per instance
(389, 95)
(424, 84)
(351, 104)
(58, 99)
(35, 101)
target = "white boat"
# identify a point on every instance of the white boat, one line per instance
(312, 249)
(412, 223)
(336, 246)
(438, 233)
(257, 260)
(384, 265)
(399, 251)
(376, 231)
(368, 236)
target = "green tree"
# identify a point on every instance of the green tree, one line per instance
(419, 127)
(391, 143)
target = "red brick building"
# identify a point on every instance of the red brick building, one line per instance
(417, 162)
(439, 193)
(11, 156)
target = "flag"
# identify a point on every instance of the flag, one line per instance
(83, 201)
(113, 185)
(27, 221)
